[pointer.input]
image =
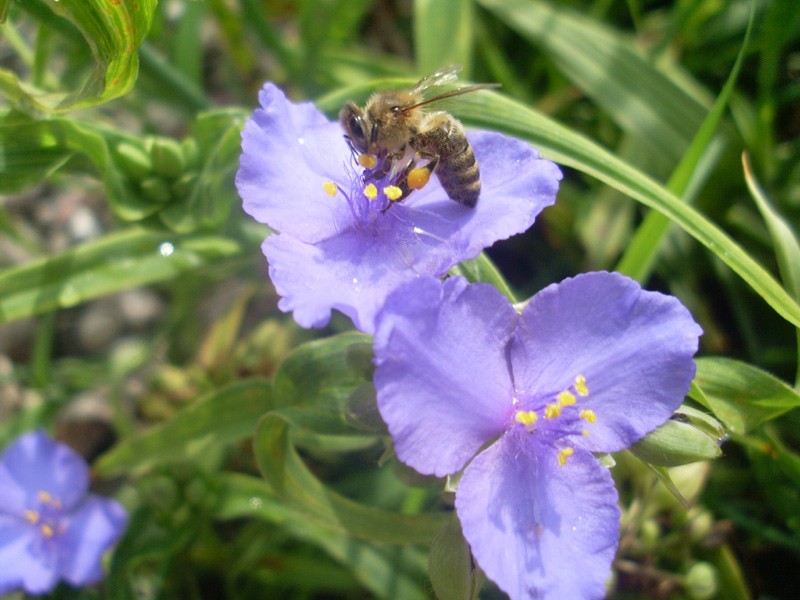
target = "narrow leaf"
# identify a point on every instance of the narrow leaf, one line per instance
(214, 421)
(113, 30)
(119, 261)
(741, 395)
(292, 481)
(436, 49)
(640, 254)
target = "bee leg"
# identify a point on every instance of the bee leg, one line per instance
(414, 177)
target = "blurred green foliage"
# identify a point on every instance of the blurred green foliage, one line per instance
(648, 105)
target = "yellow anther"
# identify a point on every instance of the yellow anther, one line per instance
(367, 161)
(392, 192)
(587, 414)
(580, 386)
(330, 188)
(526, 417)
(418, 178)
(44, 497)
(31, 516)
(371, 191)
(564, 454)
(566, 398)
(585, 433)
(551, 411)
(47, 530)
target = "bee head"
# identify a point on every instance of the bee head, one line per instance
(353, 121)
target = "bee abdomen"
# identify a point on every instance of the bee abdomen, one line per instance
(458, 169)
(460, 177)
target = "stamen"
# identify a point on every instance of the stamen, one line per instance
(526, 417)
(371, 191)
(392, 192)
(47, 530)
(44, 497)
(330, 188)
(551, 411)
(418, 178)
(563, 455)
(31, 516)
(587, 414)
(566, 398)
(367, 161)
(580, 386)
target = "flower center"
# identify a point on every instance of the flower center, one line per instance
(561, 417)
(47, 516)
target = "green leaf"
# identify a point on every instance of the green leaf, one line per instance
(637, 262)
(295, 485)
(216, 420)
(741, 395)
(787, 247)
(325, 371)
(608, 68)
(113, 30)
(387, 572)
(119, 261)
(35, 148)
(483, 269)
(435, 49)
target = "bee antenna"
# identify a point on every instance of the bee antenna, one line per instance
(458, 92)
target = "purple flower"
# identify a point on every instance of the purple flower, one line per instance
(50, 528)
(336, 248)
(523, 401)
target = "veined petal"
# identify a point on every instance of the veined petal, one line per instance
(89, 533)
(352, 272)
(20, 565)
(34, 463)
(516, 185)
(442, 377)
(289, 151)
(539, 529)
(633, 347)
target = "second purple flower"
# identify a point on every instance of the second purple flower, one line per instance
(521, 402)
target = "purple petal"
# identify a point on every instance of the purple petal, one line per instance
(442, 376)
(23, 563)
(538, 529)
(91, 530)
(288, 152)
(516, 185)
(634, 348)
(34, 463)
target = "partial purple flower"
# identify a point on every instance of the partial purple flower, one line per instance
(50, 527)
(336, 244)
(521, 402)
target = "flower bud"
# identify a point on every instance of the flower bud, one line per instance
(167, 156)
(701, 581)
(134, 161)
(184, 185)
(155, 189)
(689, 436)
(190, 152)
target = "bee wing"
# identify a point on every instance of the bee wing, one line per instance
(442, 77)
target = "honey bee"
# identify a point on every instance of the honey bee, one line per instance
(394, 135)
